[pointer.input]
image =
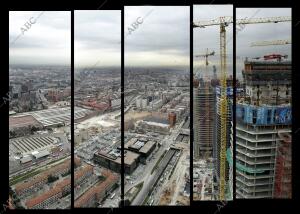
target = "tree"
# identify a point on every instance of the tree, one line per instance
(11, 192)
(20, 207)
(52, 178)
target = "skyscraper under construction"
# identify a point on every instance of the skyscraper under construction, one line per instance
(204, 117)
(263, 127)
(217, 143)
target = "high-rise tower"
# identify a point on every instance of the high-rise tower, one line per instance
(261, 117)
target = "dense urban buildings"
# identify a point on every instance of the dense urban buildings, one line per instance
(40, 113)
(238, 137)
(157, 107)
(98, 92)
(157, 139)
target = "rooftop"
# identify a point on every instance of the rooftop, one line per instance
(37, 200)
(56, 190)
(22, 121)
(83, 170)
(42, 176)
(130, 157)
(97, 190)
(157, 120)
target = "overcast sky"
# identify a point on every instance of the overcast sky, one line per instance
(162, 38)
(46, 42)
(209, 37)
(261, 32)
(97, 38)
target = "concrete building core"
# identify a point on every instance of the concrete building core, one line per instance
(204, 111)
(261, 116)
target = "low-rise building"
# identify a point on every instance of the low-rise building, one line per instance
(99, 192)
(83, 173)
(111, 159)
(49, 197)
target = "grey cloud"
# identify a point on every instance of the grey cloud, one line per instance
(209, 37)
(97, 32)
(48, 33)
(164, 30)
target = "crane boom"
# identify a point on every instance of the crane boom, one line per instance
(206, 55)
(274, 19)
(229, 20)
(221, 20)
(274, 42)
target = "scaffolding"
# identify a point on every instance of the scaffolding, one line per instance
(204, 122)
(283, 181)
(223, 109)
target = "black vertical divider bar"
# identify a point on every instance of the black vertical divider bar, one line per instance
(122, 108)
(72, 109)
(191, 104)
(234, 105)
(4, 88)
(295, 124)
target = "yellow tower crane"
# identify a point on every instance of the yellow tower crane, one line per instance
(223, 22)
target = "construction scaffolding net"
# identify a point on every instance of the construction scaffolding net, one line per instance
(241, 167)
(283, 180)
(264, 115)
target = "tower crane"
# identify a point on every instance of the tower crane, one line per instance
(223, 22)
(206, 55)
(269, 43)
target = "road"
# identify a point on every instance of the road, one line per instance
(149, 179)
(180, 179)
(45, 165)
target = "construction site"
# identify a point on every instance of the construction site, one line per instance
(263, 122)
(264, 115)
(212, 121)
(263, 130)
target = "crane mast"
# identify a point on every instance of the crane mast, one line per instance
(223, 110)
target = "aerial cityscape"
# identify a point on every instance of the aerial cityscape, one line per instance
(157, 106)
(236, 143)
(40, 112)
(97, 90)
